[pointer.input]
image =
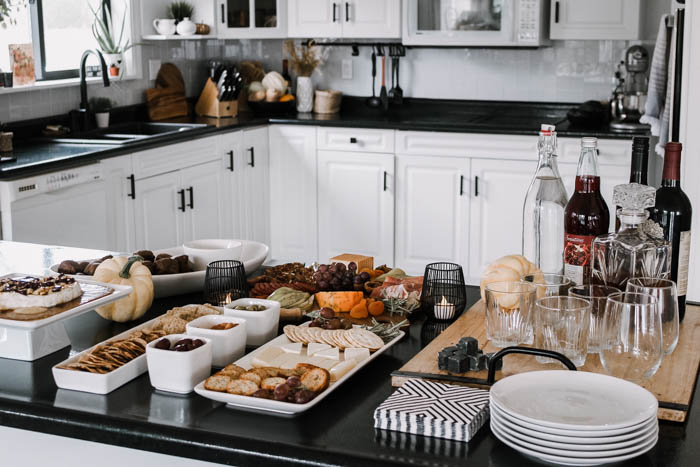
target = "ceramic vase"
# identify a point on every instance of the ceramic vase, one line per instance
(186, 27)
(305, 94)
(102, 119)
(115, 64)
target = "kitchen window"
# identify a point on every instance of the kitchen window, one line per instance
(60, 31)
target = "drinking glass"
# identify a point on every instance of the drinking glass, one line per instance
(633, 336)
(509, 307)
(561, 325)
(224, 282)
(665, 292)
(549, 284)
(598, 296)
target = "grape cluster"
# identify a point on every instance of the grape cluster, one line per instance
(338, 277)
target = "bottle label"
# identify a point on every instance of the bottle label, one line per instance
(577, 258)
(683, 259)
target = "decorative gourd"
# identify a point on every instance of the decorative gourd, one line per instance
(507, 268)
(255, 86)
(339, 301)
(126, 271)
(274, 80)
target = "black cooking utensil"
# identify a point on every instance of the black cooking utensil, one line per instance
(374, 101)
(383, 96)
(398, 92)
(392, 54)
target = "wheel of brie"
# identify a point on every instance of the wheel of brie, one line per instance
(37, 292)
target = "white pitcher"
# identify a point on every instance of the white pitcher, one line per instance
(165, 27)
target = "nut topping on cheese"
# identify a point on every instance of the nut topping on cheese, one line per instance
(29, 291)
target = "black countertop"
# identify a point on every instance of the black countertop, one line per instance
(339, 431)
(35, 156)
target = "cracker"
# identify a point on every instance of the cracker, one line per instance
(289, 332)
(365, 338)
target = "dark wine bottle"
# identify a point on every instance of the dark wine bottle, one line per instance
(673, 212)
(285, 75)
(639, 166)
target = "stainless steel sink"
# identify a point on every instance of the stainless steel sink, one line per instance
(125, 133)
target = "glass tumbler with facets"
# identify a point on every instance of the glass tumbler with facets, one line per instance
(561, 325)
(509, 306)
(633, 335)
(547, 284)
(598, 296)
(666, 293)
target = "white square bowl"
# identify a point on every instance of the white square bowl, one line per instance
(228, 344)
(178, 372)
(261, 326)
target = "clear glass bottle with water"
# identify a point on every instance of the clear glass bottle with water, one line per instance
(543, 210)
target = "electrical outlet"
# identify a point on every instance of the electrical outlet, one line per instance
(347, 69)
(153, 67)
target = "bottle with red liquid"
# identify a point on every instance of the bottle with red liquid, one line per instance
(586, 215)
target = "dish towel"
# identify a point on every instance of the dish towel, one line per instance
(434, 409)
(660, 91)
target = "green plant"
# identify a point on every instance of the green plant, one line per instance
(7, 7)
(101, 104)
(102, 29)
(180, 10)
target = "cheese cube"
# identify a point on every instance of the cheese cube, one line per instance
(326, 363)
(315, 347)
(292, 347)
(354, 353)
(333, 353)
(266, 356)
(339, 370)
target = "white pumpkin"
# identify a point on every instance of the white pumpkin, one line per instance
(507, 268)
(123, 270)
(273, 80)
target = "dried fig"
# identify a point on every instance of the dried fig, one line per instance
(68, 267)
(163, 255)
(147, 255)
(166, 266)
(90, 268)
(183, 263)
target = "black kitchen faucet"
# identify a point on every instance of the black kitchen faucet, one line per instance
(80, 120)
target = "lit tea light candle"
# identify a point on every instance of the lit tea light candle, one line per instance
(444, 309)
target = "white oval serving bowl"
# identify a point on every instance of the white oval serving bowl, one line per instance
(261, 325)
(203, 252)
(227, 344)
(178, 372)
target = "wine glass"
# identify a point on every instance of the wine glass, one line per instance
(633, 334)
(598, 296)
(665, 292)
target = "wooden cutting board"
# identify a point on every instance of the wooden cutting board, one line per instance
(673, 384)
(167, 99)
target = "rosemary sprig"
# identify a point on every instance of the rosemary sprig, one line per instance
(386, 331)
(401, 306)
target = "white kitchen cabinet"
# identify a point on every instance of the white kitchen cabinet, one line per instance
(204, 185)
(230, 148)
(293, 212)
(356, 205)
(432, 211)
(159, 212)
(251, 19)
(254, 188)
(498, 190)
(120, 206)
(348, 19)
(595, 19)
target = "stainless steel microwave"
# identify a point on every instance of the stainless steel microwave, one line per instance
(479, 23)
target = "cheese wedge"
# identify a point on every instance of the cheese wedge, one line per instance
(292, 347)
(325, 363)
(266, 356)
(333, 353)
(355, 353)
(315, 347)
(339, 370)
(288, 361)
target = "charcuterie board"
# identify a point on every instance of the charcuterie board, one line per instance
(673, 384)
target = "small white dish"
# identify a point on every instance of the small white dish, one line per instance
(262, 325)
(178, 372)
(203, 252)
(227, 344)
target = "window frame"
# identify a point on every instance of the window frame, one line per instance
(37, 23)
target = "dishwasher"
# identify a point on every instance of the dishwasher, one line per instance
(67, 208)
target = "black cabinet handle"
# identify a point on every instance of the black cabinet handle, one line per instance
(132, 182)
(223, 14)
(476, 185)
(347, 12)
(335, 14)
(556, 12)
(353, 140)
(230, 158)
(385, 175)
(461, 185)
(252, 157)
(191, 190)
(182, 200)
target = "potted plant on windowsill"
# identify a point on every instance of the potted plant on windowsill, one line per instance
(101, 106)
(112, 45)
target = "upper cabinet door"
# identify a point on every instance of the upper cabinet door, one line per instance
(159, 210)
(371, 18)
(356, 205)
(205, 202)
(432, 211)
(315, 18)
(595, 19)
(251, 19)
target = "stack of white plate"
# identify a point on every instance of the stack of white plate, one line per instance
(574, 417)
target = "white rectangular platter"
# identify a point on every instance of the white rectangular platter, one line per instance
(120, 291)
(102, 383)
(278, 407)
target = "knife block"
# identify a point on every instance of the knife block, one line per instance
(209, 105)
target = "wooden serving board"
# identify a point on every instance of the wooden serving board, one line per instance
(673, 384)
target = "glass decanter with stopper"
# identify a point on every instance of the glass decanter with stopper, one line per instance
(543, 209)
(633, 251)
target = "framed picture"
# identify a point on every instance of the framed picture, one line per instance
(22, 63)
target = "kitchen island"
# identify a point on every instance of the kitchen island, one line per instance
(339, 431)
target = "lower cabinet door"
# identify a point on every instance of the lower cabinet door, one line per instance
(432, 211)
(254, 188)
(120, 204)
(159, 211)
(356, 205)
(204, 198)
(498, 190)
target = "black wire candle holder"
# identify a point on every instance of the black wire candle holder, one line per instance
(225, 281)
(444, 294)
